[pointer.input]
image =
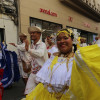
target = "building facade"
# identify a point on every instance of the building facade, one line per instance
(83, 16)
(8, 23)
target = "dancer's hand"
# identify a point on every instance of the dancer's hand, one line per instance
(26, 44)
(13, 44)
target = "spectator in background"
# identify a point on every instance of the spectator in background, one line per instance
(83, 42)
(75, 43)
(98, 39)
(52, 48)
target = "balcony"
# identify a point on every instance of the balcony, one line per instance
(9, 8)
(84, 7)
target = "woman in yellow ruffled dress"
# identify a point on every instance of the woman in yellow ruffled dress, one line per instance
(66, 76)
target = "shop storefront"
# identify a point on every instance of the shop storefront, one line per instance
(53, 15)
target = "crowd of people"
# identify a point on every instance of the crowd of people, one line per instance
(55, 71)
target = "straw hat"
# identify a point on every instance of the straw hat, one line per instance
(23, 34)
(34, 29)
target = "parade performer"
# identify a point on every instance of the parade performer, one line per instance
(10, 65)
(39, 55)
(24, 57)
(67, 76)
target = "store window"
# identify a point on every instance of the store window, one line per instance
(47, 27)
(90, 37)
(1, 35)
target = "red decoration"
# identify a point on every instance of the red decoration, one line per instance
(96, 28)
(87, 25)
(70, 18)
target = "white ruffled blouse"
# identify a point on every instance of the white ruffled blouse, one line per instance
(60, 75)
(53, 50)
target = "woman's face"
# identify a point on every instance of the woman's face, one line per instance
(49, 40)
(64, 43)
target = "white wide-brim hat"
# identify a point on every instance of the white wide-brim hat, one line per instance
(34, 29)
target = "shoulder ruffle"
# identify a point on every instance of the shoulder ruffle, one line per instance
(59, 76)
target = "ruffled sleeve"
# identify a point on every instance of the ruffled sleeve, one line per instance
(59, 76)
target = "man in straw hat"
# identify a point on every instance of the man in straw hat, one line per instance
(39, 55)
(23, 56)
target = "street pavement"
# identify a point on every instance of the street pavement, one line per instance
(16, 92)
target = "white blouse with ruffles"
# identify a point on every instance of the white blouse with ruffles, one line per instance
(53, 50)
(60, 75)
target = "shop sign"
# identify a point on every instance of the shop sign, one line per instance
(70, 19)
(87, 25)
(96, 28)
(48, 12)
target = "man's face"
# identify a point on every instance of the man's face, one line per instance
(22, 38)
(35, 36)
(82, 40)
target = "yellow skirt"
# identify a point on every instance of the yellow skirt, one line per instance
(41, 93)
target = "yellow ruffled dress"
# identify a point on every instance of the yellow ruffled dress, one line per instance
(85, 78)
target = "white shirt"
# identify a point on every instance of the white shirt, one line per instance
(98, 41)
(39, 54)
(53, 49)
(60, 75)
(83, 44)
(23, 54)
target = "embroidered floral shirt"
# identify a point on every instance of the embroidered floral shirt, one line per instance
(39, 55)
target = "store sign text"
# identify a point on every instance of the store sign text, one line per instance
(48, 12)
(70, 19)
(87, 25)
(96, 28)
